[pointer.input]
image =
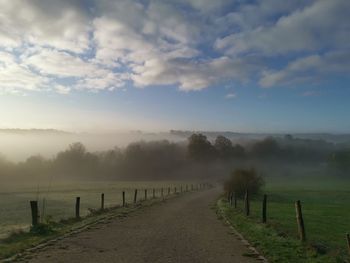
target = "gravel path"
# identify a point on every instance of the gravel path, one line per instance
(183, 229)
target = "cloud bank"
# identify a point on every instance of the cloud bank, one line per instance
(103, 45)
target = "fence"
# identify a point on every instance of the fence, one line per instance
(137, 199)
(232, 200)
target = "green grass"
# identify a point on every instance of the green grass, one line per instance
(326, 211)
(60, 199)
(19, 241)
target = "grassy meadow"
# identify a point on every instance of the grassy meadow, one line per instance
(60, 199)
(326, 211)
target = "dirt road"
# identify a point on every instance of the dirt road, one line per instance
(183, 229)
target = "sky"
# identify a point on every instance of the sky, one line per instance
(156, 65)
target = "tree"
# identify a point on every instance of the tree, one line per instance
(340, 161)
(266, 148)
(36, 165)
(224, 147)
(238, 151)
(199, 148)
(243, 179)
(76, 161)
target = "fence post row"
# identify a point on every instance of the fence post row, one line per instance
(102, 201)
(300, 221)
(135, 196)
(154, 193)
(35, 209)
(35, 212)
(264, 209)
(77, 207)
(247, 203)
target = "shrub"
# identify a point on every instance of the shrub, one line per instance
(243, 179)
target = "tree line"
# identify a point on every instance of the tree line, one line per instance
(198, 157)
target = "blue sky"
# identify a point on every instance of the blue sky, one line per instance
(247, 66)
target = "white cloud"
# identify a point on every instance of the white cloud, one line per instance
(60, 64)
(59, 24)
(310, 68)
(87, 74)
(100, 45)
(324, 24)
(15, 77)
(64, 90)
(231, 96)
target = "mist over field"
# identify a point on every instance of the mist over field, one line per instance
(19, 145)
(37, 156)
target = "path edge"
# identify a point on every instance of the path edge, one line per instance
(238, 235)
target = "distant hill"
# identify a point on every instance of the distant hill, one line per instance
(184, 134)
(329, 137)
(34, 131)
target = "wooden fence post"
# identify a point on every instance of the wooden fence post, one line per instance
(135, 196)
(154, 193)
(35, 212)
(191, 187)
(300, 221)
(175, 190)
(348, 241)
(232, 197)
(181, 188)
(123, 198)
(162, 193)
(102, 201)
(186, 188)
(247, 203)
(168, 190)
(77, 207)
(264, 209)
(235, 199)
(145, 194)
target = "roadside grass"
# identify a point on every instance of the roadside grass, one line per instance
(60, 198)
(326, 212)
(19, 241)
(275, 246)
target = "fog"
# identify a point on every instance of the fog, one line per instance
(46, 155)
(18, 146)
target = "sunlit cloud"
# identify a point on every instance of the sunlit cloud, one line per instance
(102, 45)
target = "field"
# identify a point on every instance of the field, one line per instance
(325, 206)
(325, 203)
(60, 199)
